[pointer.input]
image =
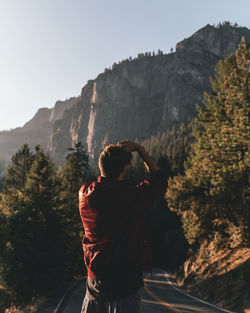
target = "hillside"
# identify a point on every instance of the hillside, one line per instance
(221, 278)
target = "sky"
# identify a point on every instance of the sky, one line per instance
(49, 49)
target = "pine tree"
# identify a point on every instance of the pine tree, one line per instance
(15, 179)
(74, 173)
(213, 194)
(81, 157)
(169, 150)
(16, 172)
(11, 201)
(33, 256)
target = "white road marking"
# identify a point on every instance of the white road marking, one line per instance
(202, 301)
(158, 299)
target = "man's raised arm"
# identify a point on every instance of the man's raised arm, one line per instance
(147, 191)
(131, 146)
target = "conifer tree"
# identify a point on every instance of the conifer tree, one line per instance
(213, 194)
(81, 157)
(11, 199)
(15, 178)
(16, 172)
(33, 256)
(170, 150)
(74, 173)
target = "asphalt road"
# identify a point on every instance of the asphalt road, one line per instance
(159, 295)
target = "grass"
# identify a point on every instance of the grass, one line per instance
(6, 306)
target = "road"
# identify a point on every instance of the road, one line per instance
(159, 295)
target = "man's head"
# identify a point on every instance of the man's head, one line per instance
(113, 160)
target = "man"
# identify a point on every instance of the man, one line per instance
(116, 244)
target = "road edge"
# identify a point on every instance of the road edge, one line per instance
(193, 297)
(66, 295)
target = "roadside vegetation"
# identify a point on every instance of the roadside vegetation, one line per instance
(40, 226)
(212, 197)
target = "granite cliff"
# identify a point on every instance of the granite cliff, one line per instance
(136, 98)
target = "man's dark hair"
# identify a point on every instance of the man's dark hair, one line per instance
(113, 160)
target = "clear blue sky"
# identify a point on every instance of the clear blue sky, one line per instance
(49, 49)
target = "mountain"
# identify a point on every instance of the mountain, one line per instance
(34, 132)
(135, 99)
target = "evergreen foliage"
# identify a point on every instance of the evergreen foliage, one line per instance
(170, 150)
(32, 250)
(140, 56)
(74, 173)
(168, 241)
(226, 24)
(82, 158)
(15, 178)
(16, 172)
(41, 230)
(1, 185)
(10, 203)
(213, 195)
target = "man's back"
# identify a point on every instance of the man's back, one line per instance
(104, 207)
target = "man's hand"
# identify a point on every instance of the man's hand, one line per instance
(129, 146)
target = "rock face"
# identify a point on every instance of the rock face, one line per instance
(138, 97)
(219, 41)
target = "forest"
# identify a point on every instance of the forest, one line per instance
(206, 162)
